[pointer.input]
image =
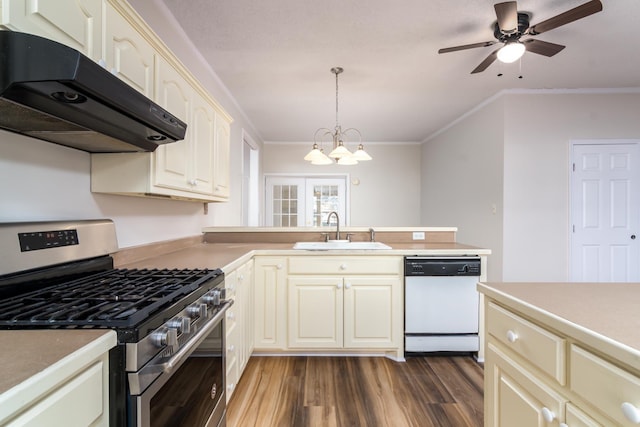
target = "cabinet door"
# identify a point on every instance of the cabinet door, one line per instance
(270, 297)
(515, 397)
(315, 312)
(245, 294)
(127, 54)
(75, 23)
(202, 137)
(221, 158)
(372, 312)
(172, 160)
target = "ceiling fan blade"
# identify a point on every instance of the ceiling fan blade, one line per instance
(542, 48)
(507, 14)
(574, 14)
(466, 46)
(487, 61)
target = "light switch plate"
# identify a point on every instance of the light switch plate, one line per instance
(418, 235)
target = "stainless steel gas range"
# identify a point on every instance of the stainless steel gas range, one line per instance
(168, 367)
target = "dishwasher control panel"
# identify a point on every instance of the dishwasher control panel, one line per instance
(427, 266)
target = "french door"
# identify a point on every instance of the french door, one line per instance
(301, 201)
(605, 212)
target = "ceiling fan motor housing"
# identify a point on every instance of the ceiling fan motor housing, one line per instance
(523, 26)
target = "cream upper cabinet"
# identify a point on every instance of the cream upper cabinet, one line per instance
(270, 297)
(75, 23)
(128, 55)
(196, 168)
(221, 158)
(173, 161)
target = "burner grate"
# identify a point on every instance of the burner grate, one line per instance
(114, 298)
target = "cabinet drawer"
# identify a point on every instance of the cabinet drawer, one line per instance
(345, 265)
(604, 385)
(540, 347)
(78, 402)
(576, 418)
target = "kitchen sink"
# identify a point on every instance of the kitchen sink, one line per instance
(340, 245)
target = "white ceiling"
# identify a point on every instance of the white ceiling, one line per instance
(275, 57)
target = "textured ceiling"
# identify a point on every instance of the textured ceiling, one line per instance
(275, 57)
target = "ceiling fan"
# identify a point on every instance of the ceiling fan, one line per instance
(512, 25)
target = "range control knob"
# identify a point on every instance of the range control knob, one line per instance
(212, 297)
(197, 310)
(165, 337)
(180, 324)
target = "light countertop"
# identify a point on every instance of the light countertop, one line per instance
(229, 256)
(34, 362)
(604, 316)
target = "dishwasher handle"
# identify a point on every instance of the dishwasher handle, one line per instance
(415, 266)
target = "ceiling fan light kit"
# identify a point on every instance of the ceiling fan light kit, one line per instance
(511, 25)
(511, 52)
(339, 153)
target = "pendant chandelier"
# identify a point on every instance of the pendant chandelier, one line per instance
(339, 154)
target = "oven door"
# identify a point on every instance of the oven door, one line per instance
(191, 390)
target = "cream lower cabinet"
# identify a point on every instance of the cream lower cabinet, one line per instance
(270, 299)
(343, 312)
(536, 376)
(238, 323)
(352, 302)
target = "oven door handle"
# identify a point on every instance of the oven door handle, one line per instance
(176, 359)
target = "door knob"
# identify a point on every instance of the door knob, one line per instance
(633, 237)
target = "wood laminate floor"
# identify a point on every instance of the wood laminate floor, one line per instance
(358, 391)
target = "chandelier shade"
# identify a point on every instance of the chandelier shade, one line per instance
(337, 136)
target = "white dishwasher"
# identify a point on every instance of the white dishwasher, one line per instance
(441, 304)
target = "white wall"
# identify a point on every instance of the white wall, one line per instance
(462, 180)
(538, 131)
(515, 151)
(388, 193)
(40, 181)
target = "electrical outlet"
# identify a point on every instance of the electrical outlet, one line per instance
(418, 235)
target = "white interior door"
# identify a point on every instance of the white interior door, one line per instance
(605, 212)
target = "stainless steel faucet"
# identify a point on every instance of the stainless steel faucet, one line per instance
(337, 223)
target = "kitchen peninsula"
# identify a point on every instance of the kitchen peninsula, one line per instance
(352, 299)
(563, 353)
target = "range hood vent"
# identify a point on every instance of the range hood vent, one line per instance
(52, 92)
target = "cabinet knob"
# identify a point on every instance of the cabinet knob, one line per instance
(548, 415)
(339, 285)
(512, 336)
(347, 285)
(631, 412)
(343, 266)
(279, 266)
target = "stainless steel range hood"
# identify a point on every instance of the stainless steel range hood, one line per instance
(52, 92)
